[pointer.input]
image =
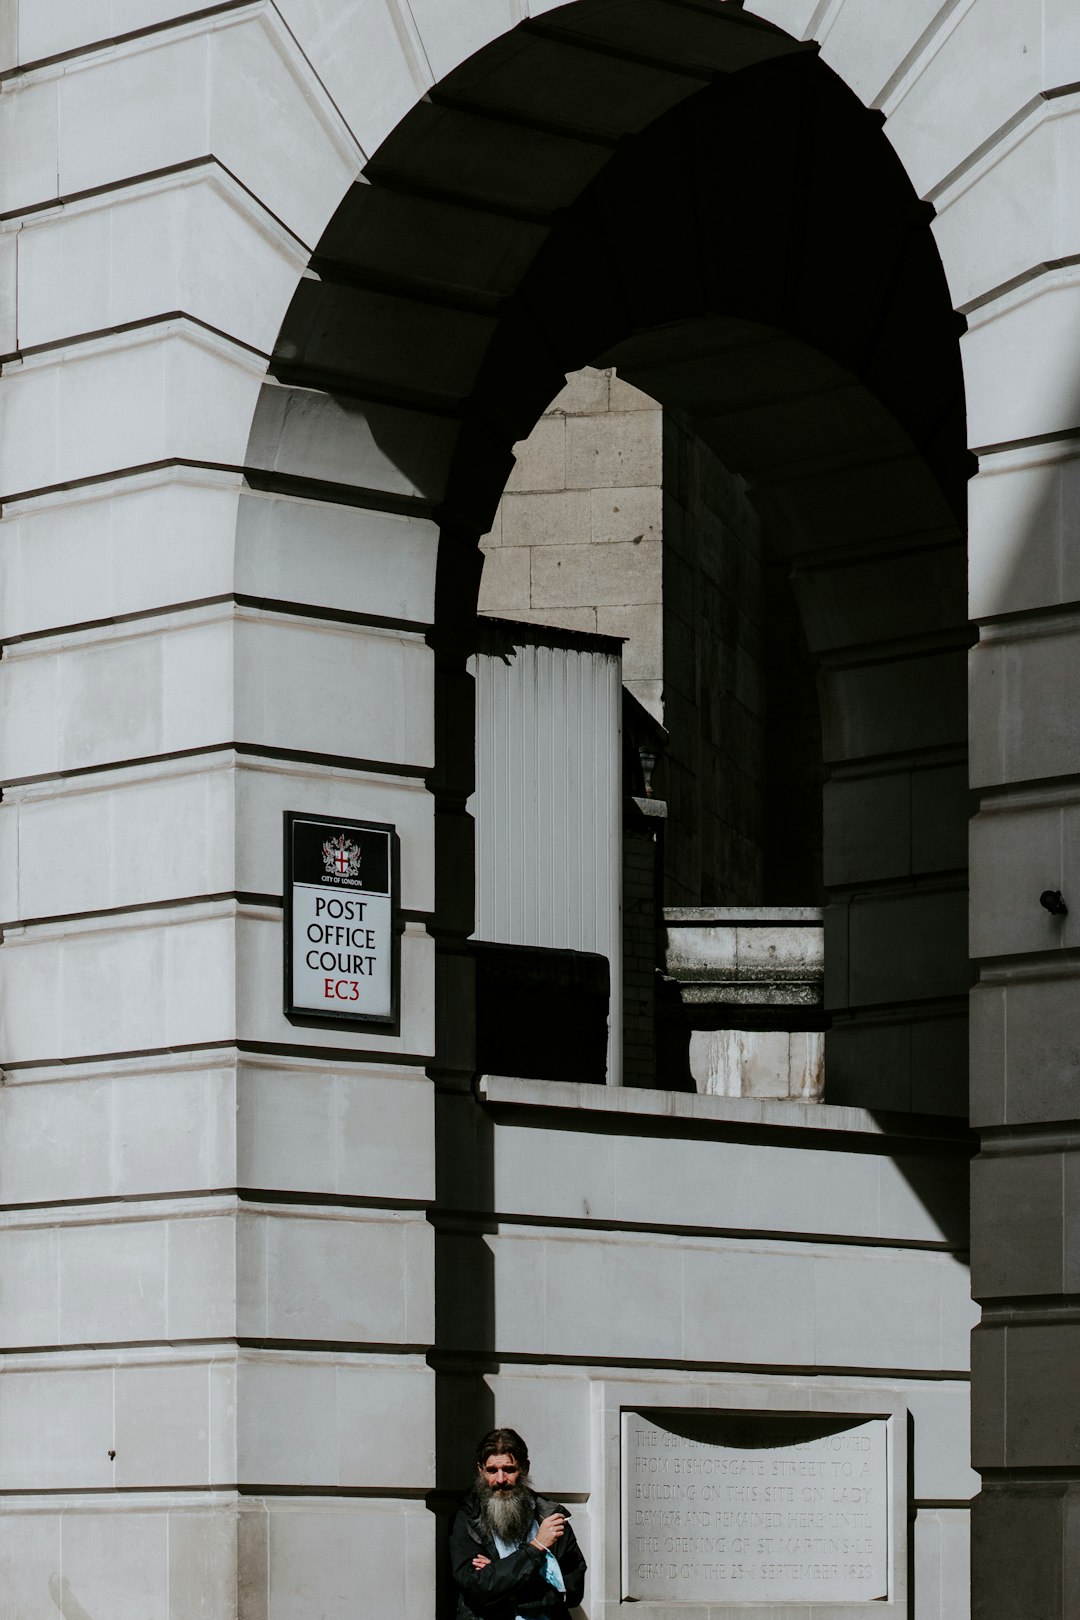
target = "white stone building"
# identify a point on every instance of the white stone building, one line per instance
(282, 282)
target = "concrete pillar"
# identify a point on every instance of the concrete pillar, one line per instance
(215, 1262)
(1009, 230)
(998, 159)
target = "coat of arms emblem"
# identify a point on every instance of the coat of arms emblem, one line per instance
(341, 857)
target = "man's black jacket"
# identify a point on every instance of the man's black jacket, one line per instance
(513, 1585)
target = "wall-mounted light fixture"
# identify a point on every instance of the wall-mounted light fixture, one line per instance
(1053, 901)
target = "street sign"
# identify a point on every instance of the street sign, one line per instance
(342, 933)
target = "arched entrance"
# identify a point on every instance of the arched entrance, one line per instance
(756, 258)
(726, 224)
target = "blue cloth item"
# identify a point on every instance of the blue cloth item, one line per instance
(553, 1574)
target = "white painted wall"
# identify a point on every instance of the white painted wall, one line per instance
(548, 802)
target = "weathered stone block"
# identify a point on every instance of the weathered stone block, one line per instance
(617, 574)
(1031, 1077)
(587, 393)
(116, 258)
(758, 1063)
(325, 1551)
(375, 72)
(1005, 405)
(1016, 736)
(1023, 507)
(174, 391)
(613, 451)
(335, 439)
(908, 947)
(642, 631)
(1042, 1384)
(541, 458)
(1017, 1208)
(1023, 1558)
(892, 708)
(350, 1130)
(942, 1584)
(867, 827)
(1017, 854)
(560, 517)
(931, 143)
(864, 45)
(381, 564)
(563, 618)
(998, 211)
(626, 514)
(505, 582)
(346, 1277)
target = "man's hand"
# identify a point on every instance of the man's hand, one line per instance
(480, 1562)
(549, 1532)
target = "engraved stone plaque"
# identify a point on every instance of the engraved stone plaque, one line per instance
(726, 1507)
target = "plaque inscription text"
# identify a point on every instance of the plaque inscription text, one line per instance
(750, 1508)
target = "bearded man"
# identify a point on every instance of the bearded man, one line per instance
(513, 1553)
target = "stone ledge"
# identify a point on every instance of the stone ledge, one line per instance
(696, 1109)
(743, 916)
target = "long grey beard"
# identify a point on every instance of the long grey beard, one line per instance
(508, 1514)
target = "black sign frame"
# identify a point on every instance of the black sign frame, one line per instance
(308, 1016)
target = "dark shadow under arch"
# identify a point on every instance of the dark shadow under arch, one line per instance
(756, 258)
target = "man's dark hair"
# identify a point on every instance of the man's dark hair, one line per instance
(503, 1443)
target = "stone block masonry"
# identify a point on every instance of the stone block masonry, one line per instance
(618, 519)
(576, 540)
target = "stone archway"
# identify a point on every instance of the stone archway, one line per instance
(796, 308)
(814, 346)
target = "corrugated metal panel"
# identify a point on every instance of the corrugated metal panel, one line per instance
(548, 798)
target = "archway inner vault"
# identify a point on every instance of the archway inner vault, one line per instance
(708, 208)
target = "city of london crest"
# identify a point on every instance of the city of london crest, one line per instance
(341, 857)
